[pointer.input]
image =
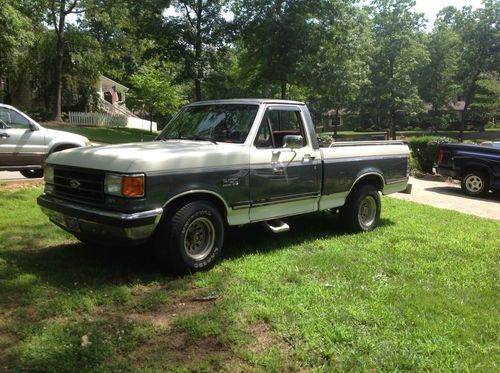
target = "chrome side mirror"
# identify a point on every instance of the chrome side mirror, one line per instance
(293, 141)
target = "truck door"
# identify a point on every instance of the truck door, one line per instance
(285, 170)
(19, 144)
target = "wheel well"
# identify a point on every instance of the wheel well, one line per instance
(373, 179)
(476, 168)
(175, 204)
(59, 148)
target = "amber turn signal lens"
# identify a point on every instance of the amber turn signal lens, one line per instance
(133, 186)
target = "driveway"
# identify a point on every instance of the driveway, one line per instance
(448, 195)
(12, 175)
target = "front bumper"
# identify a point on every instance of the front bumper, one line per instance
(100, 225)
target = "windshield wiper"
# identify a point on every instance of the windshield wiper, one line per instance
(201, 138)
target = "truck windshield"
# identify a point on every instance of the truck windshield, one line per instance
(216, 123)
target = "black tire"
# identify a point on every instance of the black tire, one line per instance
(361, 212)
(191, 239)
(32, 174)
(475, 183)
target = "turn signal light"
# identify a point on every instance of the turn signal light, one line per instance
(133, 186)
(440, 156)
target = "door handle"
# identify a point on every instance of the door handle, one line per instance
(4, 135)
(308, 158)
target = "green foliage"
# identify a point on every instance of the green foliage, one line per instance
(487, 101)
(399, 50)
(15, 34)
(424, 151)
(154, 89)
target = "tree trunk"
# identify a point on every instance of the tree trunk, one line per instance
(283, 89)
(151, 121)
(58, 72)
(197, 89)
(197, 52)
(265, 89)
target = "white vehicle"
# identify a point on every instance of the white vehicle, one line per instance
(24, 144)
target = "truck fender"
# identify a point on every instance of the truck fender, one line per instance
(193, 194)
(373, 176)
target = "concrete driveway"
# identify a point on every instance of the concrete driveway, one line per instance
(12, 175)
(448, 195)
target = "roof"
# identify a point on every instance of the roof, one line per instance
(247, 101)
(107, 83)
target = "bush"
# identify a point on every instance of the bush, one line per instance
(424, 151)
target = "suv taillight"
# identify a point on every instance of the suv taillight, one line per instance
(440, 156)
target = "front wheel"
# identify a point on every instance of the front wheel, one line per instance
(475, 183)
(361, 212)
(32, 174)
(191, 240)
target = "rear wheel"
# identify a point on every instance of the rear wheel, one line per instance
(475, 183)
(361, 212)
(191, 240)
(32, 174)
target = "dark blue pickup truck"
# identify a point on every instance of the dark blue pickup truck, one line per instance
(477, 166)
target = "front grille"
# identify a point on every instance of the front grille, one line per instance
(79, 183)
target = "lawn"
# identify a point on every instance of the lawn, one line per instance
(106, 135)
(419, 293)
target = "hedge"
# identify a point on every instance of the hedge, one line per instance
(424, 151)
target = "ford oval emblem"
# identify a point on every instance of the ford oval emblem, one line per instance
(74, 183)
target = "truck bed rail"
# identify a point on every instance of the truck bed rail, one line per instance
(364, 143)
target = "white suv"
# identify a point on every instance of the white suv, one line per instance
(24, 144)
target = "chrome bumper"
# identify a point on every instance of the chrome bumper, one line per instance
(99, 225)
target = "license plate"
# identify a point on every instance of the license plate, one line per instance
(72, 223)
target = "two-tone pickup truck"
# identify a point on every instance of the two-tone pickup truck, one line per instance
(218, 163)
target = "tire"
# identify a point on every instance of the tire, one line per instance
(361, 212)
(191, 240)
(32, 174)
(475, 183)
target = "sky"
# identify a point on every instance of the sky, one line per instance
(431, 7)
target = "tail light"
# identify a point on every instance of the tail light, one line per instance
(440, 156)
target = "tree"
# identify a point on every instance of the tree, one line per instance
(58, 11)
(480, 51)
(196, 37)
(153, 90)
(16, 36)
(398, 53)
(335, 74)
(276, 35)
(486, 106)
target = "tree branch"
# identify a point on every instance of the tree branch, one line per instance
(187, 14)
(54, 17)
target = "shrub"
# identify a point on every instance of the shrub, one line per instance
(424, 151)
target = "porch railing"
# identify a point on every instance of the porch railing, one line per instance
(97, 120)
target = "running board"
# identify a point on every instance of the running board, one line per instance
(276, 226)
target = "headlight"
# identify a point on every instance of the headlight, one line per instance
(88, 142)
(48, 174)
(124, 185)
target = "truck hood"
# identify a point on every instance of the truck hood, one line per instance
(154, 156)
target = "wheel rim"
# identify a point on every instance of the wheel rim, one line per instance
(474, 184)
(367, 211)
(199, 238)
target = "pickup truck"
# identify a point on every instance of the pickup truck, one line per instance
(477, 166)
(216, 164)
(25, 144)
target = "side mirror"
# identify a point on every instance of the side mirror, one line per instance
(33, 127)
(293, 141)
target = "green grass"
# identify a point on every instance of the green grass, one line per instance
(419, 293)
(107, 135)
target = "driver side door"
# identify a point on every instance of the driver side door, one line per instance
(19, 144)
(284, 179)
